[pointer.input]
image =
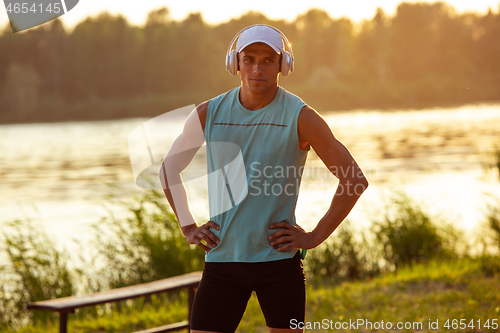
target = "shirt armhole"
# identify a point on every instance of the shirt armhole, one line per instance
(308, 147)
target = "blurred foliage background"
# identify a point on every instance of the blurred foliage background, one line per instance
(105, 68)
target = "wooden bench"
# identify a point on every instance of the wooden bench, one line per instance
(67, 305)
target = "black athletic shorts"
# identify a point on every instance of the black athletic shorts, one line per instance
(225, 288)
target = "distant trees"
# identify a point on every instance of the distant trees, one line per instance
(425, 55)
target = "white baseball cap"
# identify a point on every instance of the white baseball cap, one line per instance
(263, 34)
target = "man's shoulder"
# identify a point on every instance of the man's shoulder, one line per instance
(292, 96)
(308, 113)
(226, 96)
(203, 108)
(228, 93)
(310, 121)
(293, 102)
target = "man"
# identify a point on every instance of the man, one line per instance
(252, 241)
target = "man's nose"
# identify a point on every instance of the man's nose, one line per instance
(257, 68)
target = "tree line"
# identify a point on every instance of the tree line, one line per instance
(424, 55)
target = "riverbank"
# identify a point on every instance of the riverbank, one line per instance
(332, 96)
(437, 294)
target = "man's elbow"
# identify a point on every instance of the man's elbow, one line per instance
(365, 183)
(168, 172)
(360, 185)
(170, 167)
(162, 175)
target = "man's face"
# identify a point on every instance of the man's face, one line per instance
(259, 67)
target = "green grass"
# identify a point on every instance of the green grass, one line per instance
(435, 290)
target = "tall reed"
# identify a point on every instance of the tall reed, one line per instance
(406, 234)
(35, 271)
(342, 257)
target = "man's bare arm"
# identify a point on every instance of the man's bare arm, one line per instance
(177, 159)
(313, 129)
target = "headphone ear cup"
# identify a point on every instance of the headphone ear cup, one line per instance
(286, 64)
(235, 63)
(228, 68)
(232, 63)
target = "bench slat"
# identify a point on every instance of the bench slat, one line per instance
(167, 328)
(67, 304)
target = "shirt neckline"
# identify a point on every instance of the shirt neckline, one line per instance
(242, 108)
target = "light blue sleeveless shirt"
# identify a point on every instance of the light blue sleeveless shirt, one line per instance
(255, 166)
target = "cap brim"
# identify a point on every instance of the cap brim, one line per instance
(274, 47)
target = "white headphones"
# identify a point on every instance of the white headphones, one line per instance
(286, 59)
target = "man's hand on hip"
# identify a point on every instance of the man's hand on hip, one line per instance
(195, 235)
(292, 235)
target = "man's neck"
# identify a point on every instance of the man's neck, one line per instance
(252, 101)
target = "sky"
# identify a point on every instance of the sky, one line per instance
(216, 11)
